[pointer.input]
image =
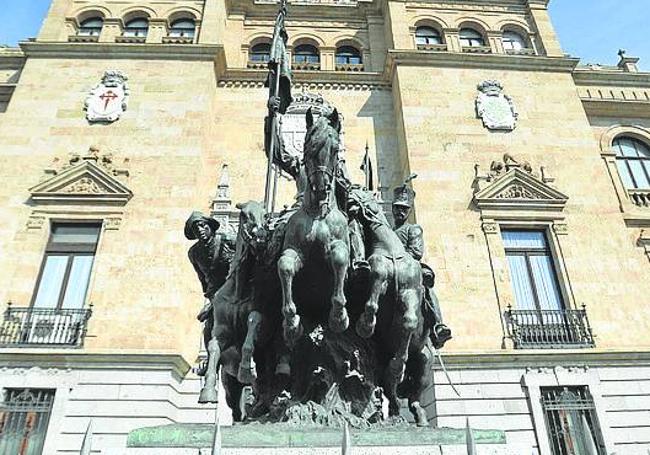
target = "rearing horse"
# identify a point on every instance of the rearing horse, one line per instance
(318, 231)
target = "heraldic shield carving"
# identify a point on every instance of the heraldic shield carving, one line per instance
(495, 108)
(294, 125)
(108, 100)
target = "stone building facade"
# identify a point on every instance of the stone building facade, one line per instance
(513, 141)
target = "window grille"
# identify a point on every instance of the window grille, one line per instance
(24, 417)
(571, 421)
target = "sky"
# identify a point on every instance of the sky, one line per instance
(593, 30)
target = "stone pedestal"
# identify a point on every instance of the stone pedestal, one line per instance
(283, 439)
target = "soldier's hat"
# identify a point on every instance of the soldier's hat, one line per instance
(404, 194)
(195, 217)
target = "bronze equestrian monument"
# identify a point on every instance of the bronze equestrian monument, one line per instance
(319, 319)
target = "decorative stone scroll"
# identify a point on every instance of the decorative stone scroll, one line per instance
(510, 184)
(495, 108)
(83, 186)
(108, 100)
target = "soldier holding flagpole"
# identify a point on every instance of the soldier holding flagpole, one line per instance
(279, 83)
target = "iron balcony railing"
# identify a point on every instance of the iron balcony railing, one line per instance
(34, 327)
(549, 329)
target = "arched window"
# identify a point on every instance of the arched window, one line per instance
(471, 38)
(633, 162)
(91, 27)
(136, 27)
(348, 55)
(513, 41)
(183, 28)
(260, 53)
(306, 53)
(427, 35)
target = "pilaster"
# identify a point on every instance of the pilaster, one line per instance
(548, 42)
(157, 29)
(213, 28)
(327, 54)
(495, 41)
(53, 28)
(452, 39)
(398, 31)
(112, 29)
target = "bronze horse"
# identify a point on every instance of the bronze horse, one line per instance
(244, 318)
(318, 232)
(393, 310)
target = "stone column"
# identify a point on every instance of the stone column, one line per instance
(54, 28)
(112, 29)
(327, 58)
(157, 29)
(548, 43)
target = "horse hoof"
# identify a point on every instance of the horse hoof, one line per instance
(340, 322)
(246, 375)
(208, 395)
(419, 415)
(363, 329)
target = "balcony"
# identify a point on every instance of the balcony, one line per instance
(178, 40)
(549, 329)
(640, 197)
(83, 38)
(353, 67)
(257, 65)
(477, 49)
(432, 47)
(44, 327)
(305, 66)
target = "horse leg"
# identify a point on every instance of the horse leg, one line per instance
(365, 326)
(288, 265)
(247, 371)
(420, 372)
(233, 389)
(209, 391)
(339, 257)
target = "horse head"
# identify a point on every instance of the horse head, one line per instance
(364, 206)
(322, 152)
(251, 224)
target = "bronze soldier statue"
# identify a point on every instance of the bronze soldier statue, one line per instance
(411, 236)
(211, 256)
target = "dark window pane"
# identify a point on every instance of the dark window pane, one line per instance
(348, 55)
(75, 233)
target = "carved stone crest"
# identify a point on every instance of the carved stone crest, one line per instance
(294, 125)
(495, 108)
(109, 99)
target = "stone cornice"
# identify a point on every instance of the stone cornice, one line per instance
(611, 78)
(483, 61)
(11, 58)
(51, 358)
(547, 358)
(616, 108)
(192, 52)
(328, 80)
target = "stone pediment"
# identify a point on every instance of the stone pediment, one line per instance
(85, 182)
(518, 188)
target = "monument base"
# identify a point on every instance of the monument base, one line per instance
(284, 439)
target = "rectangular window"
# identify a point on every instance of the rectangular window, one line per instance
(571, 421)
(533, 273)
(65, 272)
(24, 416)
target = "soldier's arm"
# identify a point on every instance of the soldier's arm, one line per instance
(415, 246)
(199, 272)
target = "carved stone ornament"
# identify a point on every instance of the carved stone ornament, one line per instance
(294, 125)
(89, 179)
(109, 99)
(511, 184)
(495, 108)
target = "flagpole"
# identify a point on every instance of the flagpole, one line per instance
(216, 435)
(268, 196)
